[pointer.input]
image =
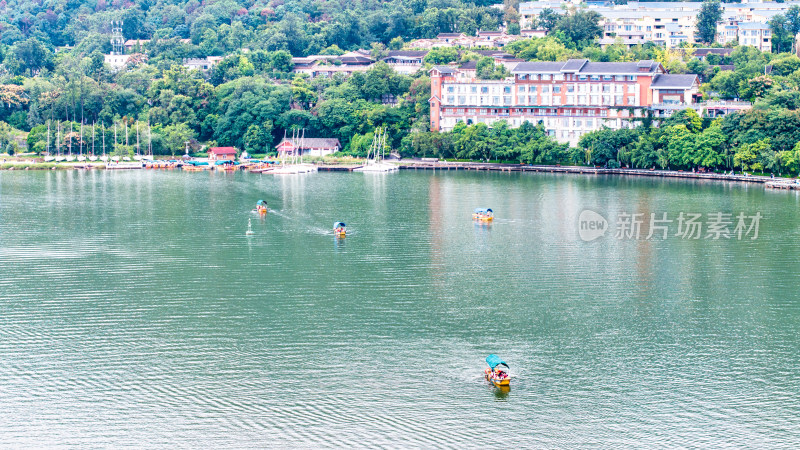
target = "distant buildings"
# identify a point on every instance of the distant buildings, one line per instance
(202, 64)
(669, 23)
(569, 98)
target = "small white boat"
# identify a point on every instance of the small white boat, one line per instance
(49, 158)
(104, 158)
(61, 158)
(126, 158)
(93, 158)
(70, 158)
(81, 158)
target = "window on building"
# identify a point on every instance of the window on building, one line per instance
(451, 99)
(608, 77)
(556, 89)
(484, 90)
(531, 99)
(545, 89)
(595, 77)
(589, 123)
(558, 76)
(532, 89)
(495, 100)
(570, 88)
(462, 100)
(595, 100)
(546, 77)
(606, 88)
(521, 89)
(631, 77)
(570, 99)
(603, 113)
(507, 89)
(450, 89)
(618, 100)
(474, 89)
(631, 89)
(556, 101)
(620, 77)
(523, 77)
(582, 77)
(591, 112)
(581, 99)
(507, 100)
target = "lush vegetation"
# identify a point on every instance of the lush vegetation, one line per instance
(252, 96)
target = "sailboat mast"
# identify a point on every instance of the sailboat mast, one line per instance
(103, 130)
(137, 138)
(58, 139)
(93, 124)
(80, 143)
(48, 137)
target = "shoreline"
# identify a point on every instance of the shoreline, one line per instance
(585, 170)
(406, 164)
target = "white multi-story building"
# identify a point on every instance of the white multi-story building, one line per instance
(668, 23)
(756, 34)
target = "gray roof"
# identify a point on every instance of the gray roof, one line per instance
(318, 143)
(700, 52)
(407, 53)
(574, 65)
(539, 66)
(587, 67)
(444, 69)
(469, 65)
(668, 81)
(753, 26)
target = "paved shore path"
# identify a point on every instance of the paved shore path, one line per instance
(442, 165)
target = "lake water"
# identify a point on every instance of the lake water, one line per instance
(135, 311)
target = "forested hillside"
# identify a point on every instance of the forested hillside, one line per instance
(220, 26)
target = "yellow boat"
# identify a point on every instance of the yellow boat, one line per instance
(483, 214)
(497, 372)
(339, 229)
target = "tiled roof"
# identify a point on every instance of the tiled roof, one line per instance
(222, 150)
(668, 81)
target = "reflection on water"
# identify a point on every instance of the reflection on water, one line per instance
(134, 309)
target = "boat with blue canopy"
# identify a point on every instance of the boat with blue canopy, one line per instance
(261, 207)
(339, 229)
(497, 372)
(484, 214)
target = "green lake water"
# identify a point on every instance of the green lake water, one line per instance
(135, 311)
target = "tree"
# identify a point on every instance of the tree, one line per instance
(580, 29)
(176, 136)
(548, 19)
(31, 55)
(710, 14)
(782, 37)
(441, 55)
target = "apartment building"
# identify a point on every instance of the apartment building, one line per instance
(569, 98)
(756, 34)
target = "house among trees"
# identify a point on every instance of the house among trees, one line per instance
(204, 65)
(221, 153)
(309, 147)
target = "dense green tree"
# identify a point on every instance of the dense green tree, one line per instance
(710, 14)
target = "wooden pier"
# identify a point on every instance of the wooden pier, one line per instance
(788, 185)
